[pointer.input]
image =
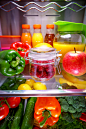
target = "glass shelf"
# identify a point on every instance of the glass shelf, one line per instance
(53, 88)
(42, 93)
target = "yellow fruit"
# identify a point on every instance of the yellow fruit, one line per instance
(24, 87)
(30, 82)
(43, 45)
(79, 86)
(39, 86)
(71, 78)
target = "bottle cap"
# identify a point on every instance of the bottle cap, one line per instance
(50, 26)
(37, 26)
(25, 26)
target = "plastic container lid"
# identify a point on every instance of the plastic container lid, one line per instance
(25, 26)
(50, 26)
(69, 26)
(37, 26)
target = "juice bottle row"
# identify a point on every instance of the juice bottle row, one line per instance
(37, 36)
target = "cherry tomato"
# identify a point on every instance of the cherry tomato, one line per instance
(13, 101)
(4, 110)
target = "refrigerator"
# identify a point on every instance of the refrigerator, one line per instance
(64, 102)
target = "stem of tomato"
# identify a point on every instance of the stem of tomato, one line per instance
(7, 103)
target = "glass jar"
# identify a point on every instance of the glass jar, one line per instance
(37, 35)
(49, 34)
(26, 35)
(69, 36)
(43, 63)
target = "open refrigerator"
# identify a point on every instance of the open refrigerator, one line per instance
(12, 15)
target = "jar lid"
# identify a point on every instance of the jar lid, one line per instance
(42, 53)
(69, 26)
(25, 26)
(37, 26)
(50, 26)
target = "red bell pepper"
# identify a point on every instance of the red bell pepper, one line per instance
(83, 117)
(21, 48)
(47, 111)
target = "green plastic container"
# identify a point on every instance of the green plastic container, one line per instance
(69, 35)
(71, 26)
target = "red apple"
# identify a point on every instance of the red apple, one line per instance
(74, 62)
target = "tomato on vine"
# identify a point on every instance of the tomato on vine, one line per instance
(4, 110)
(13, 101)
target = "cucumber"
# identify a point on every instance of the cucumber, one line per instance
(18, 116)
(28, 119)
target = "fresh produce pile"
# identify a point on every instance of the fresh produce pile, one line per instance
(42, 113)
(17, 118)
(19, 82)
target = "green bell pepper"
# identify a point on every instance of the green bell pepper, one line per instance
(11, 63)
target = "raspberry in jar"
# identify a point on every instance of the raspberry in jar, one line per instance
(43, 62)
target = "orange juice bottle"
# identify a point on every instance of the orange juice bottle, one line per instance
(26, 36)
(37, 35)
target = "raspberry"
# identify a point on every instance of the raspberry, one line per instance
(42, 71)
(40, 68)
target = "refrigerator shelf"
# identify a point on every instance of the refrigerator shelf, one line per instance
(61, 8)
(42, 93)
(53, 88)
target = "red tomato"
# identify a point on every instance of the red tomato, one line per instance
(13, 101)
(4, 110)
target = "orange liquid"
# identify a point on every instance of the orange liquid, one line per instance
(67, 47)
(36, 39)
(26, 38)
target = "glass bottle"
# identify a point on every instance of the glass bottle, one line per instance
(26, 35)
(49, 34)
(37, 35)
